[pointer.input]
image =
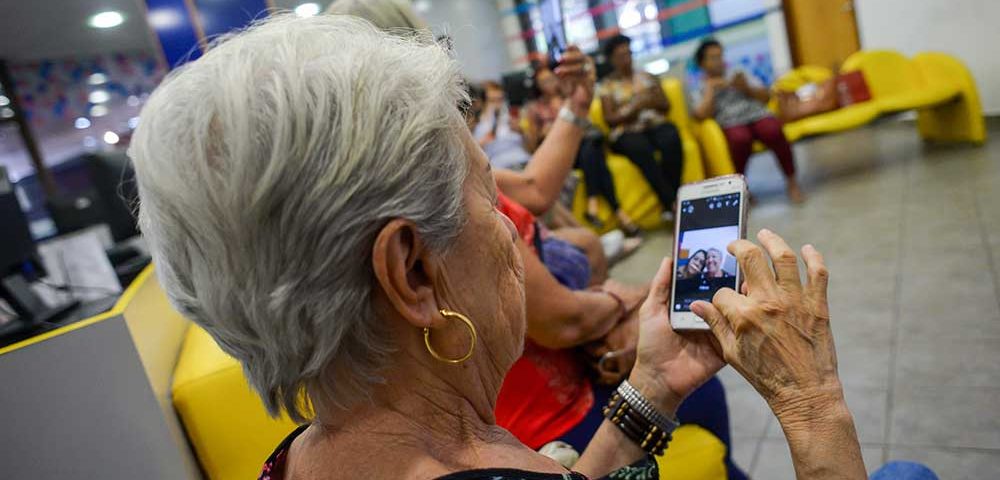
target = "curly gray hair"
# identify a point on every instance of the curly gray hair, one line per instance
(265, 170)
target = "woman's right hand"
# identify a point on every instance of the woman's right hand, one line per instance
(777, 335)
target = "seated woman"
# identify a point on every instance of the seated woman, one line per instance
(739, 107)
(368, 285)
(498, 131)
(542, 114)
(635, 108)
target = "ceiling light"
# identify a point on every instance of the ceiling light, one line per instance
(133, 122)
(132, 101)
(98, 111)
(107, 19)
(164, 18)
(89, 142)
(6, 112)
(658, 67)
(99, 96)
(110, 137)
(81, 122)
(307, 9)
(422, 6)
(97, 79)
(4, 101)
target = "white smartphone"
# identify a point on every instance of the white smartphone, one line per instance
(710, 215)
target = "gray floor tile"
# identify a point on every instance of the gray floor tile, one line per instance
(862, 362)
(966, 362)
(946, 417)
(952, 464)
(744, 450)
(748, 413)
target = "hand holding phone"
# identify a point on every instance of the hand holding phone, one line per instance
(710, 216)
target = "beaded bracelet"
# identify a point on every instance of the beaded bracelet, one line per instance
(639, 420)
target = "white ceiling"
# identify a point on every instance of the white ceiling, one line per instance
(36, 29)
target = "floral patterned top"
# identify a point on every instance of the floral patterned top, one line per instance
(644, 469)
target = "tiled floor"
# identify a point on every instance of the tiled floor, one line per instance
(911, 234)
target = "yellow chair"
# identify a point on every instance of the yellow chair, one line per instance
(225, 420)
(895, 82)
(634, 193)
(960, 120)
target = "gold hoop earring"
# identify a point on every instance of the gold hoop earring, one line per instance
(472, 331)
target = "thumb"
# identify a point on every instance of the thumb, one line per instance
(659, 289)
(717, 322)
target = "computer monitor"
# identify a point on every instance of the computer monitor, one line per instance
(109, 200)
(16, 245)
(114, 181)
(17, 253)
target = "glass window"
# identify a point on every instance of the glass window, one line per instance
(580, 30)
(638, 20)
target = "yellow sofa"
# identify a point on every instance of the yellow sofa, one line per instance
(937, 85)
(634, 193)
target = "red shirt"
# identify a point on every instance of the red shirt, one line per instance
(546, 393)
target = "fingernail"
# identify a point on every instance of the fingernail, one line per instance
(765, 231)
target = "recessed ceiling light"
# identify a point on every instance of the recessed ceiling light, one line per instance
(110, 137)
(81, 123)
(97, 79)
(99, 96)
(6, 112)
(98, 111)
(4, 101)
(107, 19)
(307, 9)
(133, 122)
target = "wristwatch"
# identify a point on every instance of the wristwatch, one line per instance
(566, 114)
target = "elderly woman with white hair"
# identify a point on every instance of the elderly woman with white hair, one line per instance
(314, 200)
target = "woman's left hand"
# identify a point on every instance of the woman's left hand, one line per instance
(577, 75)
(670, 365)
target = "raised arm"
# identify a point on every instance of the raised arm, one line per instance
(778, 337)
(537, 187)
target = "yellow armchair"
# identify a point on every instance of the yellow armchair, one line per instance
(634, 193)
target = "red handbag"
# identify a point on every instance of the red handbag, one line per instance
(852, 88)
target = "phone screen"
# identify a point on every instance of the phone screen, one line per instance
(703, 265)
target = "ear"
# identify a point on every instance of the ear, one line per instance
(405, 271)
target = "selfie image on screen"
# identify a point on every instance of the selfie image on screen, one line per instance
(708, 226)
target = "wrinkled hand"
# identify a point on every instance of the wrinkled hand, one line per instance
(577, 75)
(778, 334)
(613, 356)
(740, 83)
(670, 365)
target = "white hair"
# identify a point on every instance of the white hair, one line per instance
(395, 16)
(265, 170)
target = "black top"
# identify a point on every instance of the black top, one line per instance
(644, 469)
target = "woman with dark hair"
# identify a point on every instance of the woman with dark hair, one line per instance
(541, 114)
(694, 265)
(739, 107)
(635, 108)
